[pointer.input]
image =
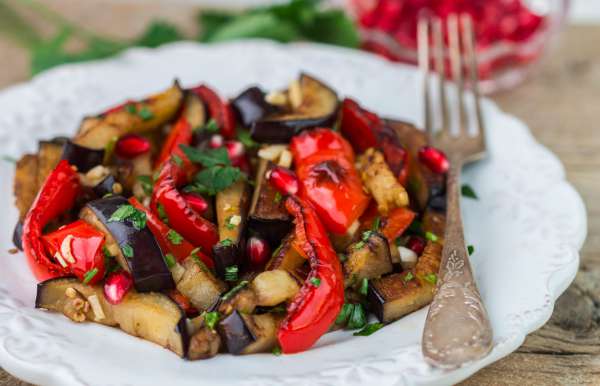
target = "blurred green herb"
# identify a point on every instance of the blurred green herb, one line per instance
(296, 20)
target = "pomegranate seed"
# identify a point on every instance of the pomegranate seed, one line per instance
(258, 252)
(131, 146)
(196, 202)
(116, 286)
(235, 149)
(216, 141)
(434, 159)
(283, 179)
(416, 244)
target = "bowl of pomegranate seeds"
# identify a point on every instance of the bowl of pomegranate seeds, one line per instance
(511, 34)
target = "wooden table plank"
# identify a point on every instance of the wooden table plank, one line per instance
(560, 106)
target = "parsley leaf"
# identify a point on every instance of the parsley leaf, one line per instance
(174, 237)
(229, 294)
(277, 350)
(213, 180)
(467, 191)
(470, 249)
(128, 212)
(431, 278)
(364, 286)
(409, 276)
(369, 329)
(211, 319)
(145, 113)
(315, 281)
(127, 250)
(431, 236)
(245, 138)
(207, 158)
(146, 183)
(170, 260)
(358, 317)
(231, 273)
(344, 314)
(89, 275)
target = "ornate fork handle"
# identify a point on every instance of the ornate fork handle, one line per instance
(457, 329)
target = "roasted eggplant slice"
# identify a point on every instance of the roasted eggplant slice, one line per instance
(48, 156)
(199, 285)
(368, 259)
(317, 106)
(98, 132)
(137, 250)
(106, 186)
(25, 183)
(232, 209)
(396, 295)
(84, 158)
(286, 256)
(249, 334)
(274, 287)
(268, 218)
(250, 106)
(150, 316)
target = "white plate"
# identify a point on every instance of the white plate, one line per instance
(527, 226)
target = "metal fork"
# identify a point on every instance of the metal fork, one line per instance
(457, 329)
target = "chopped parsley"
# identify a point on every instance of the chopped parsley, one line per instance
(467, 191)
(226, 242)
(358, 317)
(315, 281)
(470, 249)
(146, 184)
(128, 212)
(245, 138)
(211, 319)
(161, 213)
(211, 126)
(359, 245)
(145, 113)
(229, 224)
(369, 329)
(89, 275)
(232, 292)
(431, 278)
(364, 286)
(131, 108)
(376, 224)
(277, 351)
(431, 236)
(127, 250)
(177, 159)
(170, 260)
(278, 197)
(416, 227)
(344, 314)
(106, 252)
(217, 174)
(343, 257)
(174, 237)
(409, 276)
(231, 273)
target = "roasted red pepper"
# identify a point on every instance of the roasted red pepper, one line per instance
(396, 222)
(359, 125)
(180, 134)
(182, 218)
(180, 248)
(57, 195)
(320, 299)
(78, 247)
(325, 166)
(183, 302)
(220, 110)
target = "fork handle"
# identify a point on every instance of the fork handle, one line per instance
(457, 328)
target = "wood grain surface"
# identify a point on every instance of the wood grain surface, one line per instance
(560, 105)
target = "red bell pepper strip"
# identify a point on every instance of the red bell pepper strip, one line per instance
(358, 125)
(397, 222)
(180, 250)
(328, 179)
(182, 218)
(183, 302)
(320, 299)
(57, 195)
(220, 110)
(180, 134)
(79, 247)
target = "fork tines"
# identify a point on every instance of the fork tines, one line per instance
(461, 56)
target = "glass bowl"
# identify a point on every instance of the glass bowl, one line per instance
(512, 35)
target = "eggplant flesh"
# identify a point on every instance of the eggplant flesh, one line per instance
(146, 264)
(268, 217)
(150, 316)
(392, 296)
(199, 285)
(369, 261)
(318, 108)
(106, 186)
(250, 106)
(249, 334)
(84, 158)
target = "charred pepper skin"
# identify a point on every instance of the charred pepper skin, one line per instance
(57, 195)
(321, 297)
(220, 110)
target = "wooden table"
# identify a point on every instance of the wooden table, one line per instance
(560, 105)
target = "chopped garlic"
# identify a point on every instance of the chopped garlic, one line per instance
(235, 219)
(96, 307)
(271, 152)
(71, 292)
(94, 176)
(60, 259)
(276, 98)
(65, 249)
(408, 258)
(285, 159)
(295, 94)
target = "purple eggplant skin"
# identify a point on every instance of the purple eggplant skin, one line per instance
(234, 333)
(282, 131)
(105, 186)
(226, 256)
(82, 157)
(250, 106)
(147, 265)
(271, 230)
(18, 235)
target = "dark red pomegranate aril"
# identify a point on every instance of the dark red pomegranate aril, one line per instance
(235, 149)
(131, 146)
(434, 159)
(258, 252)
(116, 286)
(283, 180)
(196, 202)
(416, 244)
